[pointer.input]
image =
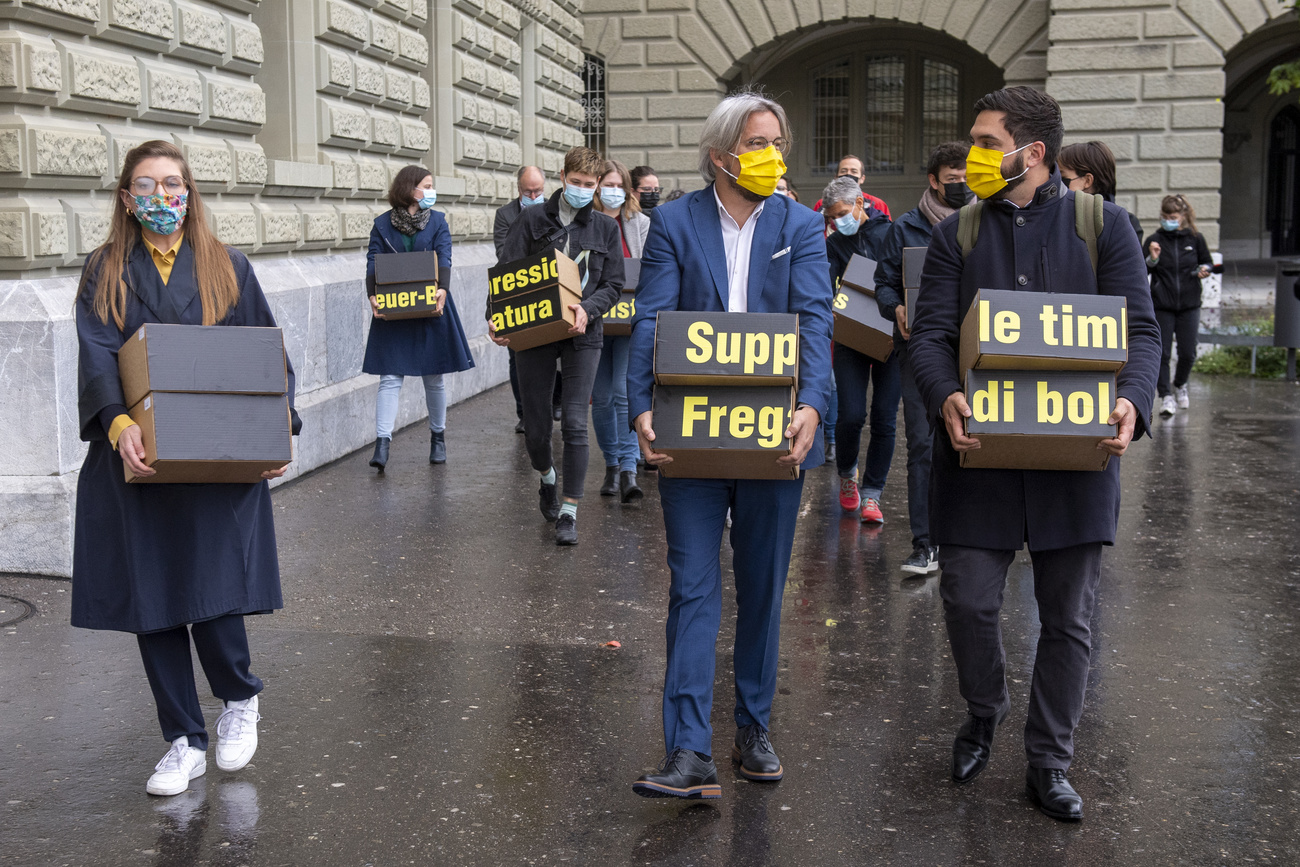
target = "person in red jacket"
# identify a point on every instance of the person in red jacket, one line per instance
(852, 166)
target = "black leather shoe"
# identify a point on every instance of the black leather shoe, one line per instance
(609, 487)
(754, 753)
(548, 500)
(1052, 793)
(519, 426)
(566, 530)
(380, 458)
(682, 774)
(971, 749)
(437, 448)
(628, 490)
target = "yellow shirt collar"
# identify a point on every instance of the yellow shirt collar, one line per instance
(164, 261)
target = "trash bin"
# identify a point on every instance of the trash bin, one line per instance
(1286, 311)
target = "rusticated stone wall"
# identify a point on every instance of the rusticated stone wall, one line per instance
(294, 115)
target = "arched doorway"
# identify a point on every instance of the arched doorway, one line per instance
(1282, 214)
(884, 93)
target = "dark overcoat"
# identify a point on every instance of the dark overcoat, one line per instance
(415, 347)
(152, 557)
(866, 241)
(1175, 284)
(1031, 249)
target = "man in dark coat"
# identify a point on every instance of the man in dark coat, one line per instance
(531, 185)
(981, 517)
(947, 191)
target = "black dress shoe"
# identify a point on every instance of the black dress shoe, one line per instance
(519, 426)
(609, 487)
(754, 753)
(437, 448)
(971, 749)
(682, 774)
(548, 500)
(380, 458)
(1052, 793)
(566, 530)
(628, 490)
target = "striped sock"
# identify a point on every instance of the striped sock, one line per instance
(570, 509)
(548, 477)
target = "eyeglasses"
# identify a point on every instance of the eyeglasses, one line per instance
(757, 144)
(145, 186)
(649, 189)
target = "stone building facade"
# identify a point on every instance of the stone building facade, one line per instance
(294, 115)
(885, 79)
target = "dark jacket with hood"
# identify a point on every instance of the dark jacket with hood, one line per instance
(1174, 282)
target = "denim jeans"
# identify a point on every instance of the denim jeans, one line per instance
(832, 414)
(853, 373)
(390, 388)
(617, 441)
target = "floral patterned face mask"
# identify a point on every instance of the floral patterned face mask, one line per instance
(161, 214)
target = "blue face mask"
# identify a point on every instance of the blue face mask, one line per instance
(526, 202)
(578, 197)
(1169, 225)
(428, 200)
(612, 197)
(847, 225)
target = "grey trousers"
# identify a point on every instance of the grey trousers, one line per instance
(536, 368)
(1065, 585)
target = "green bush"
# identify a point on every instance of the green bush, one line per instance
(1270, 361)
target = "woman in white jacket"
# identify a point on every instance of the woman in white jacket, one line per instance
(617, 440)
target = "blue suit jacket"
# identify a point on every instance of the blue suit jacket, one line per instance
(684, 267)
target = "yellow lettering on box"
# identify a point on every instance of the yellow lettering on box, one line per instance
(692, 411)
(1080, 408)
(784, 353)
(431, 295)
(757, 349)
(841, 301)
(771, 426)
(1048, 317)
(696, 334)
(1006, 326)
(984, 405)
(1051, 406)
(544, 309)
(1098, 332)
(716, 415)
(728, 348)
(1009, 400)
(984, 321)
(498, 322)
(742, 422)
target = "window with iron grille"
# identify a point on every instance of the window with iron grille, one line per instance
(940, 96)
(885, 104)
(593, 103)
(830, 109)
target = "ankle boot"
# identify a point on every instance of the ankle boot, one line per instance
(609, 487)
(628, 490)
(380, 458)
(437, 448)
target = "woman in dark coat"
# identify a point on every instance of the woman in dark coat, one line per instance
(1178, 259)
(178, 562)
(427, 347)
(1089, 167)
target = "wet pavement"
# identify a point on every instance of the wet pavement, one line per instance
(438, 690)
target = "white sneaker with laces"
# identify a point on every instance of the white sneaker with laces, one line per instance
(1167, 406)
(1183, 400)
(237, 734)
(183, 763)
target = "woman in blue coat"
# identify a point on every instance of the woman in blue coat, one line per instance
(171, 563)
(427, 347)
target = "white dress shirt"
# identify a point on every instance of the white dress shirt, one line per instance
(737, 240)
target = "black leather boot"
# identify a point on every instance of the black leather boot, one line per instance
(609, 487)
(628, 490)
(682, 774)
(380, 458)
(437, 448)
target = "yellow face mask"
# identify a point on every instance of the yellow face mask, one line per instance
(760, 171)
(984, 170)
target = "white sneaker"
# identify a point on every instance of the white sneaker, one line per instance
(1181, 393)
(183, 763)
(237, 734)
(1167, 407)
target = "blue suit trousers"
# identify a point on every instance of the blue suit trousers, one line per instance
(763, 514)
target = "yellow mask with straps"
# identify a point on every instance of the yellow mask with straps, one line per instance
(760, 171)
(984, 170)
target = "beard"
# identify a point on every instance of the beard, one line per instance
(1017, 168)
(747, 195)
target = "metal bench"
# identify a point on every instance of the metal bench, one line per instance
(1254, 341)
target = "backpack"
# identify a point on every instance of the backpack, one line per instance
(1088, 213)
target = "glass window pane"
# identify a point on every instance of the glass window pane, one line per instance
(939, 105)
(830, 138)
(593, 103)
(885, 103)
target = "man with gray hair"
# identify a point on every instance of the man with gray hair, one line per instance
(731, 247)
(859, 230)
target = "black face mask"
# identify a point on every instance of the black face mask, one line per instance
(649, 200)
(956, 194)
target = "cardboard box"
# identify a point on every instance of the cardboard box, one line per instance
(859, 325)
(913, 264)
(535, 318)
(618, 321)
(723, 432)
(546, 270)
(406, 285)
(1008, 330)
(700, 348)
(1039, 420)
(860, 274)
(209, 358)
(191, 437)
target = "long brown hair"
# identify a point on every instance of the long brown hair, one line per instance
(1177, 204)
(631, 204)
(218, 289)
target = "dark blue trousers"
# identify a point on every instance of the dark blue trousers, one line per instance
(222, 648)
(853, 373)
(920, 436)
(763, 514)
